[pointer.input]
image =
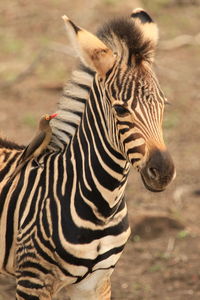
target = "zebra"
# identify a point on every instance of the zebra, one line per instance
(66, 224)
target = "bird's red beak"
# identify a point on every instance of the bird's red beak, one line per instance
(52, 116)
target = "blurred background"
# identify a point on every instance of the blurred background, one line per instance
(162, 257)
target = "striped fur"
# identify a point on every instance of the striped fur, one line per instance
(65, 224)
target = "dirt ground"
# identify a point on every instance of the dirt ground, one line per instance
(162, 257)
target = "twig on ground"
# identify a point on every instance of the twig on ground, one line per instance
(57, 47)
(180, 41)
(28, 71)
(170, 246)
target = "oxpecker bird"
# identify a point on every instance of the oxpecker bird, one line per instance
(37, 145)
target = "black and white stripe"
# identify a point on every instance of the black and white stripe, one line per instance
(67, 222)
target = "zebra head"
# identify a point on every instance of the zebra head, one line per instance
(121, 55)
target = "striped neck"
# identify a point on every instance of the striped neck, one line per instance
(100, 170)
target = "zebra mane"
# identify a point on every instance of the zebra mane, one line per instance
(126, 38)
(70, 108)
(4, 143)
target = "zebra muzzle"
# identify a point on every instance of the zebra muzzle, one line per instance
(159, 171)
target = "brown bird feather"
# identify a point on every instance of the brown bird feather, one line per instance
(37, 145)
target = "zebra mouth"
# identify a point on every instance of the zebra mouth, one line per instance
(150, 188)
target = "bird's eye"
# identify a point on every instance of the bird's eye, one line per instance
(121, 110)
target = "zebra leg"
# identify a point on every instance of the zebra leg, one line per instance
(27, 290)
(101, 292)
(104, 291)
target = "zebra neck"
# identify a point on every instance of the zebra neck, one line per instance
(71, 108)
(100, 169)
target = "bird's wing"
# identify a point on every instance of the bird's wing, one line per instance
(34, 145)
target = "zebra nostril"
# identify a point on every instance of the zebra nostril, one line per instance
(153, 173)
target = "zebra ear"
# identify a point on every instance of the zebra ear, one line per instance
(92, 51)
(148, 27)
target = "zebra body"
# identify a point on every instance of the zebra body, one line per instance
(66, 224)
(104, 222)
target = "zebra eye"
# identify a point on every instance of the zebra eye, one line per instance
(121, 110)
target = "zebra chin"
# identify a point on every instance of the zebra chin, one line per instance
(158, 171)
